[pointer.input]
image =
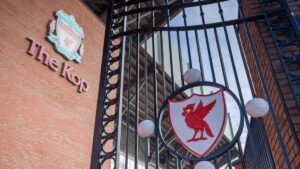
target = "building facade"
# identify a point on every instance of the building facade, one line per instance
(74, 88)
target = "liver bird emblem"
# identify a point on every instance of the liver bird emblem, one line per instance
(194, 119)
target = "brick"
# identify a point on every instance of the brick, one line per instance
(45, 122)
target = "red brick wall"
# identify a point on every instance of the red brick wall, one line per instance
(251, 8)
(44, 121)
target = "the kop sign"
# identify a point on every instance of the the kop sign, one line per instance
(67, 37)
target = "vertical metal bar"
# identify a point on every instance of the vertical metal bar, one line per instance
(186, 35)
(220, 56)
(128, 102)
(147, 141)
(200, 60)
(170, 45)
(207, 43)
(146, 76)
(180, 58)
(164, 84)
(263, 82)
(137, 92)
(163, 65)
(199, 55)
(155, 88)
(121, 89)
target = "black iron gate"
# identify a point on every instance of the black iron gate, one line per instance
(149, 44)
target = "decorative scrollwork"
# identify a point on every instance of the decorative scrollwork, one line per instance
(286, 38)
(109, 117)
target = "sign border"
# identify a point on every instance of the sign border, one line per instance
(221, 133)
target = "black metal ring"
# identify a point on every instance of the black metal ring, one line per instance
(212, 155)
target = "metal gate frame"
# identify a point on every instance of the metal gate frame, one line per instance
(106, 147)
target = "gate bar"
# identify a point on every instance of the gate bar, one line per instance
(207, 43)
(155, 89)
(128, 102)
(253, 144)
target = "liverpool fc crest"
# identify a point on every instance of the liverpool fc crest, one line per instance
(67, 36)
(199, 121)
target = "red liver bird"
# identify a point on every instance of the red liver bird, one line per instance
(195, 119)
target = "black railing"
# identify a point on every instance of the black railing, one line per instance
(264, 151)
